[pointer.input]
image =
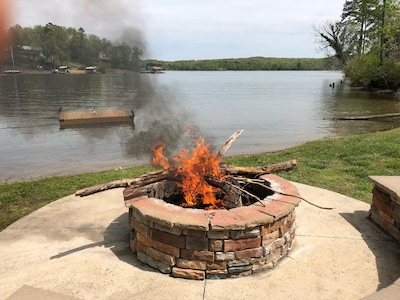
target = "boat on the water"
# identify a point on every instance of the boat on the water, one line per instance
(81, 118)
(13, 71)
(8, 72)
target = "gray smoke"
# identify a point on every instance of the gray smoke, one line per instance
(157, 115)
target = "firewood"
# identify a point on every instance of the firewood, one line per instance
(143, 180)
(229, 142)
(230, 187)
(256, 171)
(156, 176)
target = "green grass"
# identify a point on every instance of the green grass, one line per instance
(340, 164)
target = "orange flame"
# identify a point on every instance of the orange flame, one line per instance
(194, 168)
(159, 158)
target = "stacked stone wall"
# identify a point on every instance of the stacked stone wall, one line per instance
(199, 244)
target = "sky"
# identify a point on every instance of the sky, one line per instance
(192, 29)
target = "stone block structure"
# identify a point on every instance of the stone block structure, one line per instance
(385, 207)
(198, 244)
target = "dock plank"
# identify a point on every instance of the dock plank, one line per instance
(73, 118)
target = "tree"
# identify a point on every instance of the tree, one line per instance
(120, 55)
(77, 43)
(55, 44)
(333, 36)
(364, 15)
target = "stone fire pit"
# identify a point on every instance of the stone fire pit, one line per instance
(195, 243)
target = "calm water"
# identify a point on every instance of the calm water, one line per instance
(276, 109)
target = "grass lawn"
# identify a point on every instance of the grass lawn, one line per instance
(340, 164)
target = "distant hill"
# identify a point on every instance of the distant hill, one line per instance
(247, 64)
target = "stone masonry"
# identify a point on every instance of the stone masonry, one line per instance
(198, 244)
(385, 207)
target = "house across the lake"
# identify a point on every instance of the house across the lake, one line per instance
(153, 70)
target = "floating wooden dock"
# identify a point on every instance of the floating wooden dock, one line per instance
(78, 118)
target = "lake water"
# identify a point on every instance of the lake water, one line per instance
(277, 109)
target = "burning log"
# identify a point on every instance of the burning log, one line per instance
(157, 176)
(229, 186)
(200, 176)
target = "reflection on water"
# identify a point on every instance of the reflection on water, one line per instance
(276, 109)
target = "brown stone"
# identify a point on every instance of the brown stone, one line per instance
(216, 245)
(221, 235)
(188, 273)
(249, 253)
(171, 250)
(224, 256)
(168, 238)
(191, 218)
(276, 208)
(196, 243)
(132, 193)
(382, 203)
(265, 229)
(242, 244)
(172, 230)
(251, 217)
(197, 255)
(278, 243)
(285, 187)
(243, 234)
(387, 218)
(191, 264)
(144, 239)
(270, 237)
(216, 272)
(274, 255)
(140, 227)
(141, 247)
(162, 267)
(390, 228)
(157, 211)
(221, 265)
(137, 215)
(388, 185)
(161, 256)
(240, 269)
(380, 195)
(133, 241)
(396, 211)
(239, 262)
(285, 228)
(193, 232)
(224, 220)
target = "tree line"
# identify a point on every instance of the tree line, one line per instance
(365, 42)
(247, 64)
(52, 45)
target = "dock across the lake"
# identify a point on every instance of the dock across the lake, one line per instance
(78, 118)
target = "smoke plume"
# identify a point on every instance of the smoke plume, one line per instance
(157, 115)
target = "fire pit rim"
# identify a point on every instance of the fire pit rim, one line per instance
(154, 210)
(194, 243)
